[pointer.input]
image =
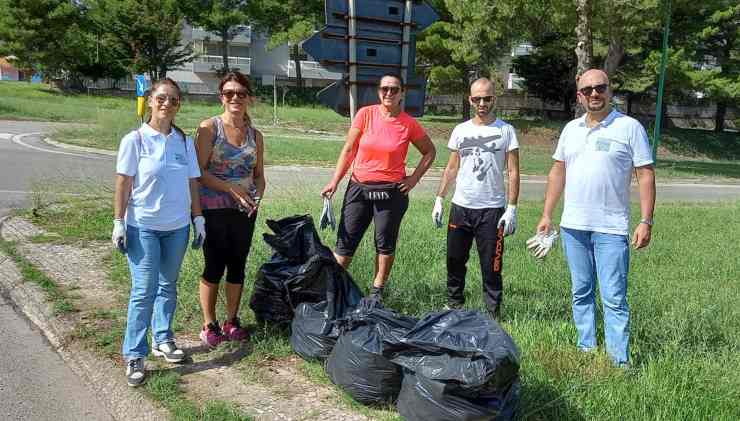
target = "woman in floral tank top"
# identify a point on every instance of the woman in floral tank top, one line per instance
(230, 154)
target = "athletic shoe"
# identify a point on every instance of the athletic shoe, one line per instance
(234, 330)
(376, 293)
(170, 352)
(212, 335)
(135, 374)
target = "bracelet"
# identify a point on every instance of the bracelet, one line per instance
(648, 222)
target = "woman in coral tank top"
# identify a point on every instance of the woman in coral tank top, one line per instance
(376, 149)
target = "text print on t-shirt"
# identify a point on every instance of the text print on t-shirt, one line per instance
(476, 146)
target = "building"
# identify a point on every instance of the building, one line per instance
(8, 71)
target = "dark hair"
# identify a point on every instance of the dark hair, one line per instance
(155, 86)
(239, 78)
(394, 75)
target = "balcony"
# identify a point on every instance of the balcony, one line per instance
(244, 36)
(210, 64)
(312, 70)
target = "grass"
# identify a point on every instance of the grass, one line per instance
(60, 301)
(685, 333)
(684, 153)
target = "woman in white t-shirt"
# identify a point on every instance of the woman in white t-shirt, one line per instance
(156, 195)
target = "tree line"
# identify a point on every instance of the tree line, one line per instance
(97, 39)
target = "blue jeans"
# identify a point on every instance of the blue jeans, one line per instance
(154, 259)
(593, 255)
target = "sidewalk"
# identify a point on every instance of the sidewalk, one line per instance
(284, 392)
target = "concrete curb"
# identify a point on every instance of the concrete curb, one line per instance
(101, 376)
(78, 148)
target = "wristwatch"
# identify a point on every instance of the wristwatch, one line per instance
(648, 222)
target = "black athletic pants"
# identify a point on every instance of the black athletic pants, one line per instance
(480, 224)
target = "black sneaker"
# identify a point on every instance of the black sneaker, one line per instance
(135, 374)
(169, 351)
(376, 293)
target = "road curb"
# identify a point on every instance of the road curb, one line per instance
(78, 148)
(101, 376)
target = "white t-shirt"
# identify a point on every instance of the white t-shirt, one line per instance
(162, 167)
(482, 150)
(598, 171)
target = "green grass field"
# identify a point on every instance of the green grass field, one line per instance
(685, 153)
(683, 293)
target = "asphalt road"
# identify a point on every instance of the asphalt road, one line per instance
(35, 384)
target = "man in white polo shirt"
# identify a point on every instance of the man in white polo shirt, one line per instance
(480, 149)
(594, 161)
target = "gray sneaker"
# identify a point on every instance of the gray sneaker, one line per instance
(135, 374)
(169, 351)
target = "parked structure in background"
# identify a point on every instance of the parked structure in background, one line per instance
(247, 53)
(8, 71)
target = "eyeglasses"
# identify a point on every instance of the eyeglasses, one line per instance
(229, 94)
(588, 90)
(162, 98)
(477, 99)
(392, 90)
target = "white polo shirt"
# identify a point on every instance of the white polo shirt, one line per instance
(598, 170)
(482, 150)
(162, 167)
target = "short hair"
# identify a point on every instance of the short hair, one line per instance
(393, 75)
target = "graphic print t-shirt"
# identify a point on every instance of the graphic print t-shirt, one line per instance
(482, 150)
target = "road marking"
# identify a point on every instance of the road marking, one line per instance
(47, 193)
(6, 136)
(18, 140)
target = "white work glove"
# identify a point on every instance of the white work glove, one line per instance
(199, 236)
(438, 211)
(542, 243)
(119, 235)
(327, 215)
(508, 220)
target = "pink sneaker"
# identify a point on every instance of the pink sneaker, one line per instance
(212, 335)
(234, 331)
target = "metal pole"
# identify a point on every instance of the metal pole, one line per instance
(661, 82)
(405, 47)
(274, 101)
(352, 61)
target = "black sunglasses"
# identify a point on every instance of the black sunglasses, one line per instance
(389, 89)
(477, 99)
(588, 90)
(229, 93)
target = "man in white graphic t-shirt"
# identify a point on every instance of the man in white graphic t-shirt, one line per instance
(594, 161)
(480, 149)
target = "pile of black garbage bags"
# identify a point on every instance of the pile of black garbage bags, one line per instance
(449, 365)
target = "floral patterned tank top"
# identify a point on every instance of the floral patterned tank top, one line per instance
(234, 164)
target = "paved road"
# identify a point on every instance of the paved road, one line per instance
(26, 161)
(34, 382)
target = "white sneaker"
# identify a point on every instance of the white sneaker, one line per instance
(169, 351)
(135, 374)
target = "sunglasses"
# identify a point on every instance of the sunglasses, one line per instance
(161, 99)
(230, 93)
(588, 90)
(477, 99)
(392, 90)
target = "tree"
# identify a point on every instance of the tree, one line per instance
(222, 17)
(716, 54)
(147, 34)
(548, 70)
(284, 25)
(463, 44)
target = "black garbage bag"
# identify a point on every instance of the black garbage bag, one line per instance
(456, 356)
(423, 399)
(298, 272)
(357, 363)
(315, 328)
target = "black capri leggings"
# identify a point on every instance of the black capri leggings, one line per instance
(357, 213)
(228, 240)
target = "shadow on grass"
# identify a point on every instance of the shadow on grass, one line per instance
(541, 401)
(694, 142)
(701, 168)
